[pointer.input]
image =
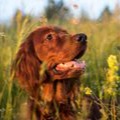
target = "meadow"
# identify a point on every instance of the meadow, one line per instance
(101, 78)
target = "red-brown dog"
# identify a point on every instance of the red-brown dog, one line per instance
(47, 68)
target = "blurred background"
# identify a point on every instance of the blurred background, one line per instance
(59, 9)
(100, 20)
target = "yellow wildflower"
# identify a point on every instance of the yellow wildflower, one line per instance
(111, 91)
(112, 76)
(112, 62)
(88, 91)
(113, 68)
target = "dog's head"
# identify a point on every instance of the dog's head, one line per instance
(55, 47)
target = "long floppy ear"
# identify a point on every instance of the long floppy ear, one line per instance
(27, 65)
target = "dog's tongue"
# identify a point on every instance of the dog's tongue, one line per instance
(71, 65)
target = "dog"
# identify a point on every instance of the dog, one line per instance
(47, 67)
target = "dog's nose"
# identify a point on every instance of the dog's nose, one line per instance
(81, 38)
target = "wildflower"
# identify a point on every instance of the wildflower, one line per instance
(112, 62)
(110, 91)
(88, 91)
(112, 77)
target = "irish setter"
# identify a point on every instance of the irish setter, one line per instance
(47, 68)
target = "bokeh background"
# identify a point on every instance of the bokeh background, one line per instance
(100, 20)
(38, 8)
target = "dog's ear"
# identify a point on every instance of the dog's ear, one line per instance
(27, 65)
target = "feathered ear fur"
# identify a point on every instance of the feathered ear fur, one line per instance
(27, 65)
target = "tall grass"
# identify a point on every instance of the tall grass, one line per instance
(10, 41)
(103, 41)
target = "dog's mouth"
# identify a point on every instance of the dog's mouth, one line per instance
(74, 64)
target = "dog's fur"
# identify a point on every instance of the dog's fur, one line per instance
(51, 92)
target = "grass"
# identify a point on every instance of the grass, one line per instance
(103, 41)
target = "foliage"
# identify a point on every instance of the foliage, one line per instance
(106, 14)
(56, 10)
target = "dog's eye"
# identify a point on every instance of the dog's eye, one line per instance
(49, 37)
